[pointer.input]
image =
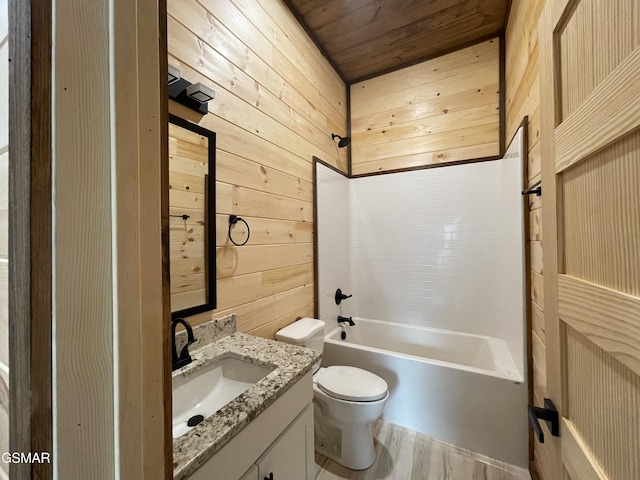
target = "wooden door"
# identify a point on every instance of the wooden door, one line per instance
(590, 119)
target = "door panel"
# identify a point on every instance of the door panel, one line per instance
(579, 463)
(607, 317)
(601, 192)
(608, 113)
(603, 401)
(590, 85)
(603, 28)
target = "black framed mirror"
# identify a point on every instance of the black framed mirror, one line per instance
(192, 218)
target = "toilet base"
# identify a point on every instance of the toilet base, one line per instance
(351, 445)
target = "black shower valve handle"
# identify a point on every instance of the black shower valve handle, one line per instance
(341, 296)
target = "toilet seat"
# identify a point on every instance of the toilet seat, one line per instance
(351, 383)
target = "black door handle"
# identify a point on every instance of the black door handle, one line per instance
(549, 414)
(270, 477)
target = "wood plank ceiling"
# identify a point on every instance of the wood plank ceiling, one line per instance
(365, 38)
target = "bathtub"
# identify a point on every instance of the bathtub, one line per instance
(459, 388)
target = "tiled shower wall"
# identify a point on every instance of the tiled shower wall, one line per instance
(333, 241)
(426, 245)
(439, 247)
(513, 249)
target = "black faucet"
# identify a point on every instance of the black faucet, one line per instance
(184, 358)
(345, 319)
(341, 296)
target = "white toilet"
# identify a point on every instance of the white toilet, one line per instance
(346, 400)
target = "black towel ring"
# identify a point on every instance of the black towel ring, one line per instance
(233, 219)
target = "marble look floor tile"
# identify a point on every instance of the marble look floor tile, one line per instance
(403, 454)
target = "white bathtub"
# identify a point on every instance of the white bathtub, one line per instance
(462, 389)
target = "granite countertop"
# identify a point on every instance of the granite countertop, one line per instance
(291, 362)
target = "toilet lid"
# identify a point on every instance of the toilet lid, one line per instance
(353, 384)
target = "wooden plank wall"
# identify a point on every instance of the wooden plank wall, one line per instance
(277, 103)
(4, 229)
(523, 99)
(107, 272)
(188, 165)
(442, 110)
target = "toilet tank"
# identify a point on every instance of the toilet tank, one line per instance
(307, 332)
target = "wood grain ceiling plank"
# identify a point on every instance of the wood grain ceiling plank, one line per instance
(336, 10)
(366, 67)
(304, 7)
(405, 22)
(373, 18)
(368, 37)
(422, 34)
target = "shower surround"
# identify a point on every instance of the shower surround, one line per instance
(438, 248)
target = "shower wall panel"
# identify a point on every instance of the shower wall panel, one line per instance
(513, 239)
(439, 247)
(333, 220)
(443, 248)
(426, 247)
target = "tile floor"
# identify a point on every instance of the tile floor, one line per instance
(403, 454)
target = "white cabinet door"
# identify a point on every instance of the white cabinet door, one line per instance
(290, 457)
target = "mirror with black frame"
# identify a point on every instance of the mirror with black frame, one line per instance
(192, 218)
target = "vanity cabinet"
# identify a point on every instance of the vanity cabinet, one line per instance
(287, 458)
(279, 442)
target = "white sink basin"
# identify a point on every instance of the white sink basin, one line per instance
(207, 390)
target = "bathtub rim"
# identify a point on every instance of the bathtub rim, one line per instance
(516, 377)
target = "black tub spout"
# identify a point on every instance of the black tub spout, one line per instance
(349, 320)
